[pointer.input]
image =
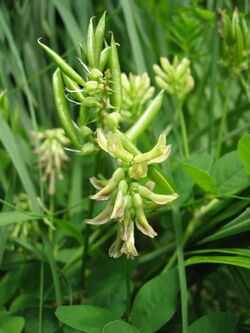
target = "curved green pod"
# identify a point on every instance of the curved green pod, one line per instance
(62, 109)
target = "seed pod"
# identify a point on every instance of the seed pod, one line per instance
(62, 109)
(90, 51)
(99, 38)
(104, 58)
(116, 84)
(62, 64)
(73, 88)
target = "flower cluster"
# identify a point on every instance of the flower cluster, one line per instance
(126, 196)
(51, 155)
(136, 94)
(23, 229)
(236, 42)
(174, 78)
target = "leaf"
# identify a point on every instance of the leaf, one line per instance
(216, 322)
(244, 151)
(12, 324)
(155, 303)
(86, 318)
(119, 326)
(7, 218)
(240, 224)
(10, 144)
(69, 230)
(110, 291)
(198, 169)
(229, 174)
(227, 260)
(241, 252)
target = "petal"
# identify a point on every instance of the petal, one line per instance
(111, 185)
(101, 218)
(98, 183)
(101, 139)
(161, 158)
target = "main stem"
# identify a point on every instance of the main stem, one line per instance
(223, 121)
(181, 268)
(87, 228)
(128, 286)
(183, 128)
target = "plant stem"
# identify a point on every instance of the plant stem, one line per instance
(181, 268)
(146, 118)
(87, 227)
(193, 224)
(212, 83)
(40, 320)
(50, 256)
(183, 128)
(128, 285)
(223, 121)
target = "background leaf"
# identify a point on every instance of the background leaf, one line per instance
(244, 151)
(119, 326)
(155, 303)
(85, 317)
(214, 322)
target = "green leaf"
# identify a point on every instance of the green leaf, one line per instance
(86, 318)
(244, 151)
(12, 324)
(229, 174)
(198, 169)
(10, 144)
(109, 292)
(155, 303)
(238, 225)
(7, 218)
(227, 260)
(119, 326)
(215, 322)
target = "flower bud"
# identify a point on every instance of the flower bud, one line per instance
(113, 120)
(138, 170)
(91, 87)
(88, 148)
(85, 131)
(95, 74)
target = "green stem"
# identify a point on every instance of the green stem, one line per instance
(40, 321)
(181, 269)
(245, 87)
(87, 228)
(223, 120)
(146, 118)
(193, 224)
(50, 256)
(128, 286)
(183, 129)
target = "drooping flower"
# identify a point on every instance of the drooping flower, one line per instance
(126, 196)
